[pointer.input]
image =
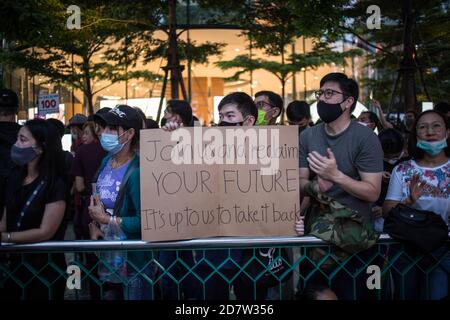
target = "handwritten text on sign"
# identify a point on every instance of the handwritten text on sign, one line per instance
(219, 182)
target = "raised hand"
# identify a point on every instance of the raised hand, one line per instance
(376, 104)
(416, 188)
(324, 166)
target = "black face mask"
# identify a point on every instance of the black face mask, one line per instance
(329, 112)
(230, 124)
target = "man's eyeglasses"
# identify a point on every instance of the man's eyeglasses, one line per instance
(328, 93)
(435, 127)
(261, 104)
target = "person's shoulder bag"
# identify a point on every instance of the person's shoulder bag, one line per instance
(425, 230)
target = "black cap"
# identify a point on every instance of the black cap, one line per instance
(103, 110)
(123, 116)
(95, 117)
(8, 99)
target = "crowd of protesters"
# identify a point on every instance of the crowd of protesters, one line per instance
(96, 187)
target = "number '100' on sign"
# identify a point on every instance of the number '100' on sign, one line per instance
(48, 104)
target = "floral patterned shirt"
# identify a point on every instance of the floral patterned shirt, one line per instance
(436, 195)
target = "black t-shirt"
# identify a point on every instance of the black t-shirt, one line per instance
(17, 195)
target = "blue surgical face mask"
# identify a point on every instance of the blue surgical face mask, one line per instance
(432, 147)
(110, 143)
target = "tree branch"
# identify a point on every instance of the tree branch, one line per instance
(117, 20)
(367, 42)
(95, 92)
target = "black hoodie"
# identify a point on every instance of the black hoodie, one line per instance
(8, 136)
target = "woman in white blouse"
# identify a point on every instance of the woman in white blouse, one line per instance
(424, 183)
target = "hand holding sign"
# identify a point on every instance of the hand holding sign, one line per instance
(171, 126)
(300, 226)
(97, 211)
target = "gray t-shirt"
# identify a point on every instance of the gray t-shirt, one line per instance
(355, 149)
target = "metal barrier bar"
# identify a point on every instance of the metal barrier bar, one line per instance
(219, 242)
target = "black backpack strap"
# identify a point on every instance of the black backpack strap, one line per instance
(133, 166)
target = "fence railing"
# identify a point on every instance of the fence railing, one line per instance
(218, 268)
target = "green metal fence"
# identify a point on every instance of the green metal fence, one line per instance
(199, 269)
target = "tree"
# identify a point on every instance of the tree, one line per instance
(409, 52)
(120, 30)
(274, 26)
(321, 55)
(175, 50)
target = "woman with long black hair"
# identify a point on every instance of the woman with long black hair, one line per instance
(35, 206)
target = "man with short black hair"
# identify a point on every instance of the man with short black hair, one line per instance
(237, 109)
(9, 105)
(270, 105)
(298, 113)
(346, 156)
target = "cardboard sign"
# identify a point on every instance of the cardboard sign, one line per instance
(204, 182)
(48, 103)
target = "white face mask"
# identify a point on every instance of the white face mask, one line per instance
(391, 161)
(394, 160)
(363, 123)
